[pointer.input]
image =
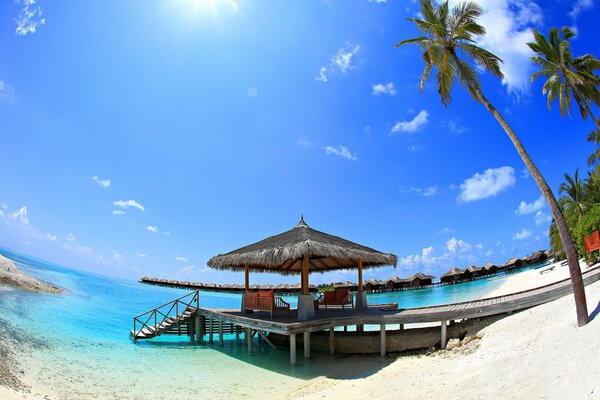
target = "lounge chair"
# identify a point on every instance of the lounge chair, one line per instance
(264, 300)
(338, 297)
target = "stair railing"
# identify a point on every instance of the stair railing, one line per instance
(161, 313)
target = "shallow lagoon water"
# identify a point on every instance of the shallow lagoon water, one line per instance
(86, 351)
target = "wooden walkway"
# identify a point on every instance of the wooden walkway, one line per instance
(209, 321)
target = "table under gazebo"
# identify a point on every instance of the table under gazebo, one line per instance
(303, 250)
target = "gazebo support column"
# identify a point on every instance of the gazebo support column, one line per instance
(306, 302)
(444, 335)
(293, 349)
(361, 296)
(306, 342)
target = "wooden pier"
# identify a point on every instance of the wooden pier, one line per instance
(208, 322)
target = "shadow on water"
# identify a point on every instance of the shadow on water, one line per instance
(321, 364)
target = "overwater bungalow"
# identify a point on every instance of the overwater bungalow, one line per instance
(453, 275)
(420, 279)
(374, 285)
(490, 268)
(475, 271)
(513, 263)
(353, 287)
(396, 283)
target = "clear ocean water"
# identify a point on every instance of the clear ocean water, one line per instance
(78, 345)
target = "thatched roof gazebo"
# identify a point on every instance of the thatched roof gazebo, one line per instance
(452, 275)
(303, 250)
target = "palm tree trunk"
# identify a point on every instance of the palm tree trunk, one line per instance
(561, 224)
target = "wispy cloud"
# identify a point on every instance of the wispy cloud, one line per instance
(444, 231)
(384, 88)
(412, 126)
(528, 208)
(454, 127)
(29, 18)
(341, 151)
(423, 191)
(580, 6)
(152, 228)
(141, 255)
(487, 184)
(413, 148)
(181, 258)
(20, 215)
(7, 92)
(129, 203)
(252, 92)
(542, 218)
(341, 61)
(102, 182)
(522, 234)
(304, 143)
(50, 237)
(118, 212)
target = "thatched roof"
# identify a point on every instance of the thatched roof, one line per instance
(473, 268)
(283, 253)
(453, 272)
(395, 279)
(419, 275)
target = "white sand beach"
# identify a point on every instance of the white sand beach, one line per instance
(537, 353)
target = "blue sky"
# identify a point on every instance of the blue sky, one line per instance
(142, 138)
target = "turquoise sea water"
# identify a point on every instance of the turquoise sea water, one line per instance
(79, 344)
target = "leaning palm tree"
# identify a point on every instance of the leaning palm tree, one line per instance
(574, 193)
(567, 78)
(448, 41)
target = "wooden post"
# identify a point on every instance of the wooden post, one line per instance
(249, 339)
(401, 327)
(221, 333)
(444, 335)
(331, 340)
(210, 330)
(247, 278)
(198, 329)
(237, 332)
(307, 344)
(360, 278)
(382, 340)
(293, 349)
(304, 275)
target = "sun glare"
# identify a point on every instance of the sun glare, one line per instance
(197, 8)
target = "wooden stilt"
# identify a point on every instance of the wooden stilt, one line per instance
(249, 339)
(331, 340)
(382, 340)
(198, 329)
(237, 332)
(306, 344)
(266, 339)
(211, 328)
(444, 335)
(293, 349)
(221, 333)
(401, 327)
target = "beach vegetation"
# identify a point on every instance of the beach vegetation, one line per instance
(448, 41)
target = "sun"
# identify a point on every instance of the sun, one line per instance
(208, 7)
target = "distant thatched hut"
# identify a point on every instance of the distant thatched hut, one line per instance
(453, 275)
(374, 285)
(513, 263)
(475, 271)
(396, 283)
(490, 268)
(420, 279)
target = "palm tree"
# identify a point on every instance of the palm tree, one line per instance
(448, 44)
(575, 193)
(594, 137)
(567, 77)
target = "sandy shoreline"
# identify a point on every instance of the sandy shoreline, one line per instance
(536, 353)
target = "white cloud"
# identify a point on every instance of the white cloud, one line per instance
(528, 208)
(1, 214)
(186, 271)
(129, 203)
(343, 59)
(542, 218)
(341, 151)
(384, 88)
(522, 234)
(425, 258)
(525, 173)
(29, 18)
(7, 92)
(118, 212)
(488, 184)
(167, 233)
(413, 125)
(479, 246)
(508, 25)
(142, 255)
(455, 245)
(444, 231)
(71, 238)
(322, 75)
(20, 215)
(151, 228)
(414, 148)
(377, 1)
(50, 237)
(424, 191)
(117, 258)
(580, 6)
(102, 182)
(252, 92)
(181, 258)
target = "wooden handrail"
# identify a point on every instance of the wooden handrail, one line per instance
(153, 314)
